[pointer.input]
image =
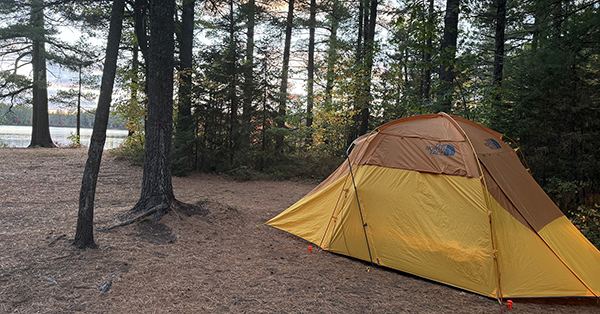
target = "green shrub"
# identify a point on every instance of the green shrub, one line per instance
(74, 139)
(132, 151)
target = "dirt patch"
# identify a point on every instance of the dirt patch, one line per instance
(217, 257)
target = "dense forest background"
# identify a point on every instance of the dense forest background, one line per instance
(281, 88)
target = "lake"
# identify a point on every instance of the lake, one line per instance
(20, 136)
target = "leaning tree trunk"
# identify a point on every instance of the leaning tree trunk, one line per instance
(84, 236)
(40, 134)
(157, 189)
(448, 53)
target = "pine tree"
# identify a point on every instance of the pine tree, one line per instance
(84, 236)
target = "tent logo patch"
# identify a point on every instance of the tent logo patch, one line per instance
(441, 150)
(492, 143)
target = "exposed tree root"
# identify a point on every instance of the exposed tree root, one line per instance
(189, 209)
(160, 211)
(145, 214)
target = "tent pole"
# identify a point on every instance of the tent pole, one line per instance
(520, 151)
(358, 202)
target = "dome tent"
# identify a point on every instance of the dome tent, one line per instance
(444, 198)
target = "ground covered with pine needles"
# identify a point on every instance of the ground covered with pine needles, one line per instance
(226, 261)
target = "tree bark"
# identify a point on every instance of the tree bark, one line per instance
(369, 57)
(365, 63)
(448, 53)
(140, 8)
(332, 53)
(311, 65)
(40, 134)
(79, 109)
(84, 236)
(234, 131)
(184, 135)
(283, 95)
(186, 53)
(133, 92)
(428, 50)
(355, 118)
(248, 88)
(140, 17)
(499, 49)
(157, 187)
(359, 36)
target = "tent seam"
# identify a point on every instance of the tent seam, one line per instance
(495, 253)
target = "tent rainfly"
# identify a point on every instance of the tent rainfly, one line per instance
(444, 198)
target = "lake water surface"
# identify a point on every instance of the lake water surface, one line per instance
(20, 136)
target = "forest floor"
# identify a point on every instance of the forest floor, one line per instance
(225, 262)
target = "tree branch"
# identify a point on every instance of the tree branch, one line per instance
(15, 93)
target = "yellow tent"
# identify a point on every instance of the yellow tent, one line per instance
(444, 198)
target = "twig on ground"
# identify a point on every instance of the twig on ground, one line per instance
(54, 282)
(57, 239)
(105, 287)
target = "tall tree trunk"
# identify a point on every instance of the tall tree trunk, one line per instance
(183, 156)
(248, 88)
(133, 92)
(499, 49)
(283, 95)
(233, 99)
(40, 134)
(310, 97)
(448, 53)
(535, 36)
(79, 109)
(332, 53)
(355, 118)
(428, 50)
(366, 54)
(369, 57)
(84, 235)
(157, 187)
(360, 33)
(140, 17)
